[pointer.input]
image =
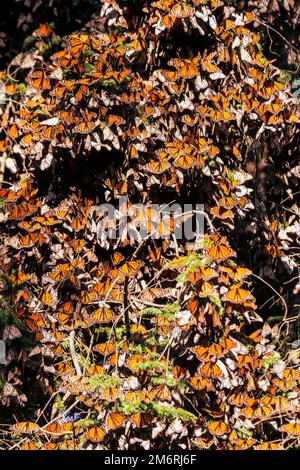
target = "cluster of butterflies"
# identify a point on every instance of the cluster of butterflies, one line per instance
(156, 333)
(74, 92)
(226, 385)
(122, 403)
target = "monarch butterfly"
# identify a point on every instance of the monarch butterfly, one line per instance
(236, 273)
(291, 374)
(20, 211)
(162, 393)
(115, 120)
(206, 289)
(185, 162)
(87, 297)
(102, 315)
(43, 31)
(111, 394)
(217, 115)
(201, 442)
(19, 278)
(179, 372)
(55, 428)
(162, 4)
(138, 331)
(39, 81)
(133, 397)
(34, 322)
(202, 273)
(201, 383)
(95, 434)
(220, 252)
(130, 268)
(105, 349)
(78, 245)
(135, 362)
(211, 370)
(251, 385)
(133, 151)
(263, 412)
(49, 298)
(283, 384)
(206, 353)
(95, 369)
(63, 368)
(114, 421)
(163, 325)
(86, 125)
(29, 446)
(10, 89)
(28, 241)
(81, 92)
(50, 446)
(47, 221)
(190, 120)
(117, 258)
(248, 412)
(273, 251)
(217, 428)
(237, 400)
(13, 132)
(227, 343)
(63, 317)
(227, 187)
(188, 70)
(78, 43)
(158, 167)
(274, 108)
(8, 195)
(237, 295)
(169, 20)
(212, 151)
(65, 85)
(244, 361)
(268, 446)
(60, 273)
(26, 427)
(221, 212)
(142, 420)
(215, 4)
(68, 445)
(170, 75)
(207, 66)
(241, 444)
(182, 10)
(291, 428)
(56, 349)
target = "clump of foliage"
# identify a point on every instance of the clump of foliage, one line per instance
(152, 343)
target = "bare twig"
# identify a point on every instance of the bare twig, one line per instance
(73, 353)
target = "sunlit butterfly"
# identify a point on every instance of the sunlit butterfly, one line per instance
(291, 428)
(217, 428)
(95, 434)
(210, 370)
(114, 420)
(200, 383)
(43, 31)
(220, 252)
(142, 420)
(39, 81)
(26, 427)
(181, 10)
(237, 295)
(105, 349)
